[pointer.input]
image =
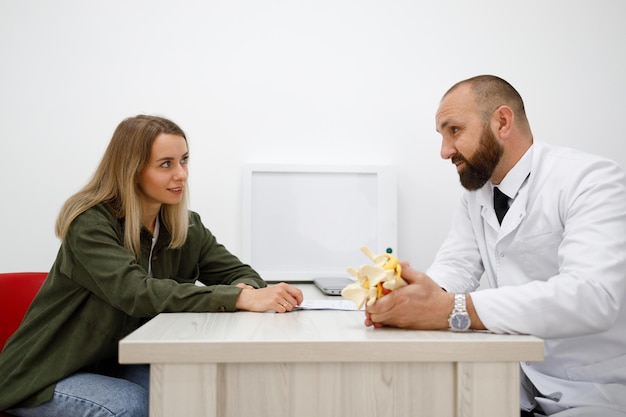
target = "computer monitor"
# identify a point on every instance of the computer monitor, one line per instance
(304, 222)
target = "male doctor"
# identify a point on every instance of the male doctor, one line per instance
(546, 226)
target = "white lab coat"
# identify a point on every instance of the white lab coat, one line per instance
(557, 270)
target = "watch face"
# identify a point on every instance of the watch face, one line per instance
(459, 321)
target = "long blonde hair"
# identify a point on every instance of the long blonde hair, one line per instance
(115, 182)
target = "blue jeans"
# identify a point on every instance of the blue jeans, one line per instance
(93, 395)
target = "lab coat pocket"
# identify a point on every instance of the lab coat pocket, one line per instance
(539, 254)
(610, 371)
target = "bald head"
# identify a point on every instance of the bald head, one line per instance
(491, 92)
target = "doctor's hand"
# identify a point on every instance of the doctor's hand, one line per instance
(280, 298)
(420, 305)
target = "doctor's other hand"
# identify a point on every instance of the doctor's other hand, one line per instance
(280, 298)
(422, 304)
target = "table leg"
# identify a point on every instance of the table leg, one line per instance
(487, 389)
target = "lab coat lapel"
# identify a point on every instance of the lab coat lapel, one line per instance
(515, 215)
(485, 197)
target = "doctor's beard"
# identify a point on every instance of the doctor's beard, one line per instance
(479, 168)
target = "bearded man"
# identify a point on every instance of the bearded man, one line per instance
(546, 227)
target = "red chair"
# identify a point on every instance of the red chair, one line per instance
(17, 290)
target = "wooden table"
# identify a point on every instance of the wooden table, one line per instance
(318, 363)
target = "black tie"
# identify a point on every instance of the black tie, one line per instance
(500, 203)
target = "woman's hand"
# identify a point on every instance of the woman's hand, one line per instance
(242, 285)
(279, 298)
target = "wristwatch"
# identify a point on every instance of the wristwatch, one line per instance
(459, 320)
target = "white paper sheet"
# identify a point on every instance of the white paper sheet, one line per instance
(326, 304)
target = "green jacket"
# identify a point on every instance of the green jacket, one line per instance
(97, 293)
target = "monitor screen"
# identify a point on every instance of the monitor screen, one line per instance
(304, 222)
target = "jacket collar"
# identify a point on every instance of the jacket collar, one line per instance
(513, 185)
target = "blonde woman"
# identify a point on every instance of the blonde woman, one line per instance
(130, 249)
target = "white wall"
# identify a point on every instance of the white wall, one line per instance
(317, 81)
